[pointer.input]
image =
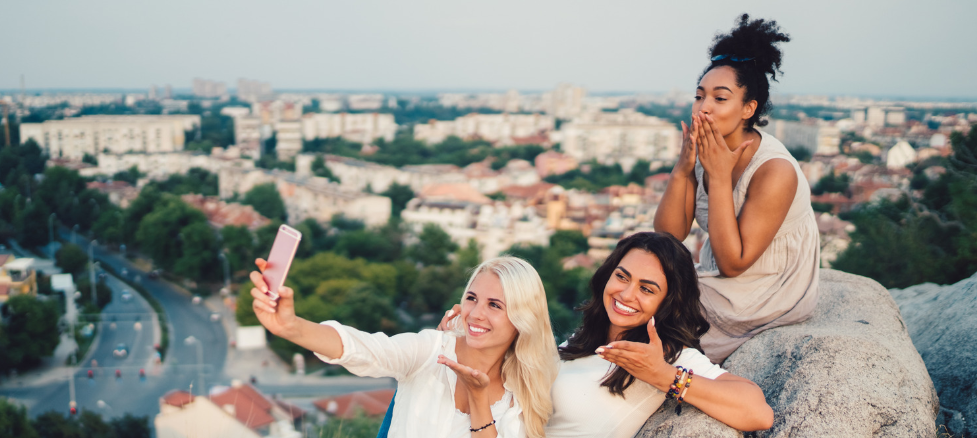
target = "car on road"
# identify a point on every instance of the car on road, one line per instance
(126, 296)
(196, 299)
(215, 316)
(120, 351)
(154, 274)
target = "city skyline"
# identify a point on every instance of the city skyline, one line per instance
(837, 49)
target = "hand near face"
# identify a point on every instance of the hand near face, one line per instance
(474, 379)
(716, 158)
(643, 361)
(448, 316)
(686, 158)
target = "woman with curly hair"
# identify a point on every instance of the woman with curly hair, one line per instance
(759, 267)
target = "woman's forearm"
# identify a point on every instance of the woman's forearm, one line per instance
(733, 400)
(481, 414)
(672, 214)
(724, 232)
(318, 338)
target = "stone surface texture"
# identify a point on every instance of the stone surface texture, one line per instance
(849, 371)
(942, 322)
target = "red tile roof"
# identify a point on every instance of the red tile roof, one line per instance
(372, 403)
(177, 398)
(292, 410)
(250, 407)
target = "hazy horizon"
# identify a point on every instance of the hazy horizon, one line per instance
(896, 49)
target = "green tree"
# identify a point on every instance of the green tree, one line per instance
(319, 169)
(149, 198)
(433, 247)
(31, 224)
(14, 421)
(566, 243)
(202, 146)
(131, 426)
(931, 239)
(102, 292)
(94, 426)
(31, 332)
(239, 243)
(800, 153)
(266, 200)
(831, 183)
(71, 258)
(399, 195)
(53, 424)
(130, 175)
(368, 309)
(367, 245)
(159, 230)
(198, 259)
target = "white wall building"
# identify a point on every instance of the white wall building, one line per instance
(361, 128)
(622, 137)
(900, 155)
(495, 227)
(817, 136)
(307, 197)
(74, 137)
(501, 128)
(357, 175)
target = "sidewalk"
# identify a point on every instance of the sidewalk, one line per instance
(260, 363)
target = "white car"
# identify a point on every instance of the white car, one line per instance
(215, 316)
(120, 351)
(126, 296)
(196, 299)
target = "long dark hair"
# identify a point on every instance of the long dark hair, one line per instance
(750, 49)
(679, 320)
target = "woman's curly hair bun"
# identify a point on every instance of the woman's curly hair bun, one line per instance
(751, 49)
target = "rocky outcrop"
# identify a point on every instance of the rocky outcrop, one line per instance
(942, 322)
(849, 371)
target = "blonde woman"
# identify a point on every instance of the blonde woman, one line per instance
(500, 351)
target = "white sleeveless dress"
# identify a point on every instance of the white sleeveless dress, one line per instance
(781, 288)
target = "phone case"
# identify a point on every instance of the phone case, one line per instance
(280, 258)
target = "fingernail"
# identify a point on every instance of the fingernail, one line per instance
(652, 321)
(450, 313)
(599, 350)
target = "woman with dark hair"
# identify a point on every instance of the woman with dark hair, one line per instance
(638, 344)
(644, 318)
(759, 267)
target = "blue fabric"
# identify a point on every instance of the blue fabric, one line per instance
(385, 426)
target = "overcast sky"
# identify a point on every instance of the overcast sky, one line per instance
(849, 47)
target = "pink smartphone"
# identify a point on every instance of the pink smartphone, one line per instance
(280, 259)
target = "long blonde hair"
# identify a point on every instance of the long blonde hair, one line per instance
(530, 364)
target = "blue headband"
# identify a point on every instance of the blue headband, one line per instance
(730, 57)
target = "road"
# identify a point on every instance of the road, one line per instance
(140, 396)
(130, 394)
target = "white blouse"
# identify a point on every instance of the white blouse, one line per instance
(425, 401)
(583, 408)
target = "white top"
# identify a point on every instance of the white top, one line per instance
(425, 402)
(583, 408)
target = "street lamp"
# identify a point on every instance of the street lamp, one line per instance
(91, 264)
(50, 227)
(200, 361)
(227, 270)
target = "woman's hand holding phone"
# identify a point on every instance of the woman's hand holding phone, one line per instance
(277, 315)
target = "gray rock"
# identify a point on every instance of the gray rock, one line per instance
(849, 371)
(942, 322)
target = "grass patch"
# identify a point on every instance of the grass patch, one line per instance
(164, 340)
(84, 343)
(359, 426)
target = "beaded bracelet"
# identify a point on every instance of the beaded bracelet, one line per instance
(676, 385)
(481, 428)
(681, 398)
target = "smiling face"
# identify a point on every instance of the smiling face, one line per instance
(633, 293)
(484, 314)
(719, 96)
